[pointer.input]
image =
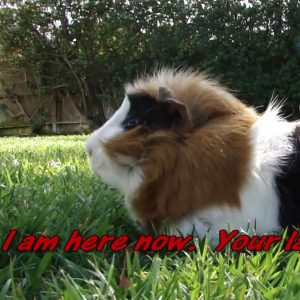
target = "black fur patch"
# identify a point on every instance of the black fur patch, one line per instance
(145, 110)
(288, 185)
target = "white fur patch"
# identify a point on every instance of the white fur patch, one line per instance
(110, 129)
(126, 179)
(270, 137)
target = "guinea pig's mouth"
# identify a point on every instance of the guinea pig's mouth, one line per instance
(91, 145)
(94, 144)
(124, 176)
(89, 152)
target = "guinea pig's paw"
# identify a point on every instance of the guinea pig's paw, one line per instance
(191, 225)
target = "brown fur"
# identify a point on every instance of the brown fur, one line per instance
(188, 169)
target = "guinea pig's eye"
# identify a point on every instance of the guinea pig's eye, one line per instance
(131, 123)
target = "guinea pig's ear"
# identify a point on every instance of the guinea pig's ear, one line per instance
(174, 107)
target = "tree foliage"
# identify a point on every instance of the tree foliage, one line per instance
(93, 46)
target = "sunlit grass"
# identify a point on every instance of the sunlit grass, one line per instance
(47, 187)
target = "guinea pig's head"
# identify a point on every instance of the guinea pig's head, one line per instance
(131, 139)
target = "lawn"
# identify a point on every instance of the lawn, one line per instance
(47, 188)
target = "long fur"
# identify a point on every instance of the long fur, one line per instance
(218, 172)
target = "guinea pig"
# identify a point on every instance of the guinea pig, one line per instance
(187, 153)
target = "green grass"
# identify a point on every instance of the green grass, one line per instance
(47, 187)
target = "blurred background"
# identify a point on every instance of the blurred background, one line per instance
(63, 63)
